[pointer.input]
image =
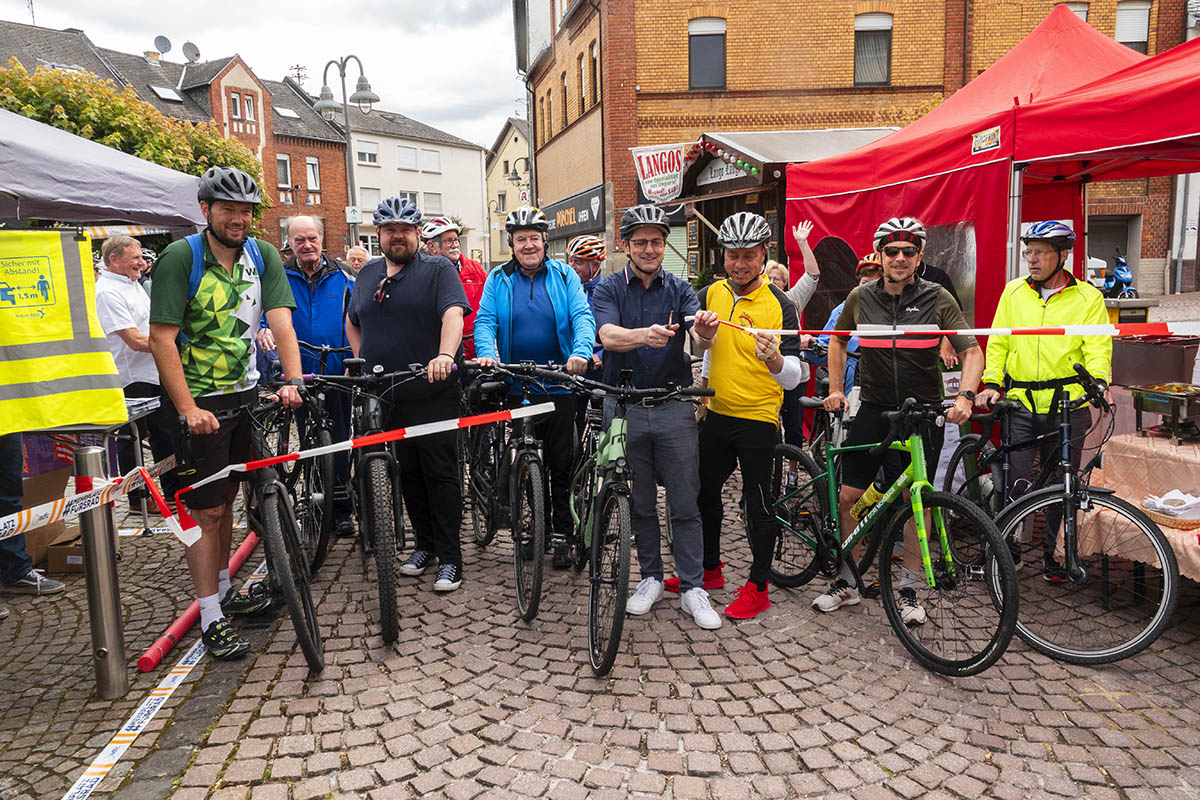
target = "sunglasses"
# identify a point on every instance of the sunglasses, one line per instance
(381, 289)
(891, 251)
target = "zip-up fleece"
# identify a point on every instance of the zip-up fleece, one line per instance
(573, 320)
(1043, 358)
(891, 370)
(320, 313)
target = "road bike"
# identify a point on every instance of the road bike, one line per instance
(962, 597)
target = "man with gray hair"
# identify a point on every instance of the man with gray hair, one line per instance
(355, 258)
(322, 293)
(123, 308)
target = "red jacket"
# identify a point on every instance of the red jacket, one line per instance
(473, 277)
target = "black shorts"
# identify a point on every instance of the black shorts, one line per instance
(212, 452)
(860, 467)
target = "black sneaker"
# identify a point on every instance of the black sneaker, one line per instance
(1052, 572)
(345, 528)
(562, 557)
(223, 642)
(449, 578)
(255, 600)
(417, 563)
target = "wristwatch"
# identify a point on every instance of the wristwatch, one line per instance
(296, 382)
(967, 393)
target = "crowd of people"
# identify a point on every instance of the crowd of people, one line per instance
(220, 298)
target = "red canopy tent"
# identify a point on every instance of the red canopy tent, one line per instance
(953, 168)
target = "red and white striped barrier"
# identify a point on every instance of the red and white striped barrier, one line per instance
(1126, 329)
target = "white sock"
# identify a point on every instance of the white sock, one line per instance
(847, 574)
(223, 582)
(210, 610)
(908, 578)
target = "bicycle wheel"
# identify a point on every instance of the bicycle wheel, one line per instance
(383, 535)
(289, 571)
(980, 483)
(277, 432)
(313, 501)
(796, 561)
(1128, 596)
(612, 542)
(529, 536)
(962, 624)
(481, 484)
(583, 493)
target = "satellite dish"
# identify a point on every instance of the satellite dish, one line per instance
(162, 44)
(191, 51)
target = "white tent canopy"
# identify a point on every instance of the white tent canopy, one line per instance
(47, 173)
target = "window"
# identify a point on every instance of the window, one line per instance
(562, 82)
(369, 242)
(407, 157)
(248, 108)
(706, 53)
(235, 106)
(286, 112)
(409, 196)
(368, 153)
(580, 88)
(368, 199)
(502, 201)
(283, 168)
(431, 161)
(433, 203)
(166, 93)
(595, 73)
(542, 127)
(1078, 9)
(549, 114)
(872, 49)
(506, 166)
(1133, 24)
(313, 170)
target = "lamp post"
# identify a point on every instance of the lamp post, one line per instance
(514, 178)
(328, 107)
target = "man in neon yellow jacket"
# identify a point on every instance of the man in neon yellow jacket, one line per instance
(1036, 370)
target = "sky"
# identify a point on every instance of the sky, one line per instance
(448, 63)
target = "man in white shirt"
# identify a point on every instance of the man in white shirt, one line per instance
(124, 311)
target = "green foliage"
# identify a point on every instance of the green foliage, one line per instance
(95, 109)
(899, 117)
(703, 278)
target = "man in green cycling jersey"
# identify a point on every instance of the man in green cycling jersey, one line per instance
(1039, 369)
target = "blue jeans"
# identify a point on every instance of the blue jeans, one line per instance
(15, 563)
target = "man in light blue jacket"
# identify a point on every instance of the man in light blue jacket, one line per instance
(534, 309)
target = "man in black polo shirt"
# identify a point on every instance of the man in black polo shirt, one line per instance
(640, 312)
(407, 308)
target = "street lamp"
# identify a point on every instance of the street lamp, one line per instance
(513, 177)
(364, 98)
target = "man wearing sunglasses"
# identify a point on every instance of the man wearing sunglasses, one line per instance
(891, 370)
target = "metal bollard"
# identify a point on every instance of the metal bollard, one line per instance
(103, 592)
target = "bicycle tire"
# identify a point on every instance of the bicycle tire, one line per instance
(982, 590)
(481, 484)
(818, 436)
(314, 500)
(1066, 620)
(981, 484)
(529, 536)
(795, 562)
(382, 518)
(289, 571)
(277, 434)
(583, 494)
(612, 544)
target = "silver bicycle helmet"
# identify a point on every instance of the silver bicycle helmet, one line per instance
(744, 229)
(397, 209)
(228, 183)
(526, 218)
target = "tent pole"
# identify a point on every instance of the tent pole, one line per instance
(1083, 260)
(1016, 187)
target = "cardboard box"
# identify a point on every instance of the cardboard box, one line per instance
(65, 554)
(36, 491)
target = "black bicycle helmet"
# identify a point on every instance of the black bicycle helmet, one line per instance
(228, 183)
(397, 209)
(744, 229)
(638, 216)
(526, 218)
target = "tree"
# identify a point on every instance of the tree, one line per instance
(899, 117)
(93, 108)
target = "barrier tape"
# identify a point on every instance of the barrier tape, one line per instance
(95, 492)
(1127, 329)
(137, 722)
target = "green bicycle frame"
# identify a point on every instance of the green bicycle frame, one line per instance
(609, 450)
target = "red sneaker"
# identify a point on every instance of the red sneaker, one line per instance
(749, 603)
(713, 579)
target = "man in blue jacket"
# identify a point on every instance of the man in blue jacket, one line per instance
(534, 309)
(322, 292)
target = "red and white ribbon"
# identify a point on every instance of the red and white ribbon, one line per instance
(1123, 329)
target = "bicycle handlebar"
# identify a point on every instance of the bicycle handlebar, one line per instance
(1091, 388)
(900, 418)
(322, 348)
(581, 385)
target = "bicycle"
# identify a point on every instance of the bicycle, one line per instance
(966, 583)
(1118, 584)
(375, 477)
(269, 513)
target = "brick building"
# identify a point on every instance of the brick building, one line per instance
(303, 156)
(617, 74)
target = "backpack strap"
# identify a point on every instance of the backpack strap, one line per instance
(251, 248)
(197, 272)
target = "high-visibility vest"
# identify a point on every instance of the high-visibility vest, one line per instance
(55, 365)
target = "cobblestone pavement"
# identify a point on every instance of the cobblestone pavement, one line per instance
(1176, 308)
(471, 702)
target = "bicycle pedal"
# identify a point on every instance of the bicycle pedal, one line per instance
(871, 592)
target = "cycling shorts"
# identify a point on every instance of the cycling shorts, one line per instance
(859, 468)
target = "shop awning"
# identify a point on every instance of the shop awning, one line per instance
(109, 231)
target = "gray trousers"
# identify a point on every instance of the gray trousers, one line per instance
(1024, 427)
(662, 447)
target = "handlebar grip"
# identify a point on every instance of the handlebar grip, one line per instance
(1091, 387)
(894, 418)
(698, 391)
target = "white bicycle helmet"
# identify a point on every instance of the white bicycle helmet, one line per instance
(744, 229)
(437, 226)
(526, 218)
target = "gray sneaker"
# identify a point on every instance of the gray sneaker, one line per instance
(3, 612)
(34, 582)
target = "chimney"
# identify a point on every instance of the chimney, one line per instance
(152, 56)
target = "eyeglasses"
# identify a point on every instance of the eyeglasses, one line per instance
(892, 251)
(1027, 252)
(642, 244)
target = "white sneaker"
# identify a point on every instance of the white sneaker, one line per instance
(648, 592)
(695, 602)
(911, 612)
(837, 595)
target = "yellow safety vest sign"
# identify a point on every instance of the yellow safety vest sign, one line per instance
(55, 366)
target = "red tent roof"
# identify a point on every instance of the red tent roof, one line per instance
(1060, 54)
(1134, 123)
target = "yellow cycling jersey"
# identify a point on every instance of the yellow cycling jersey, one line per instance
(743, 384)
